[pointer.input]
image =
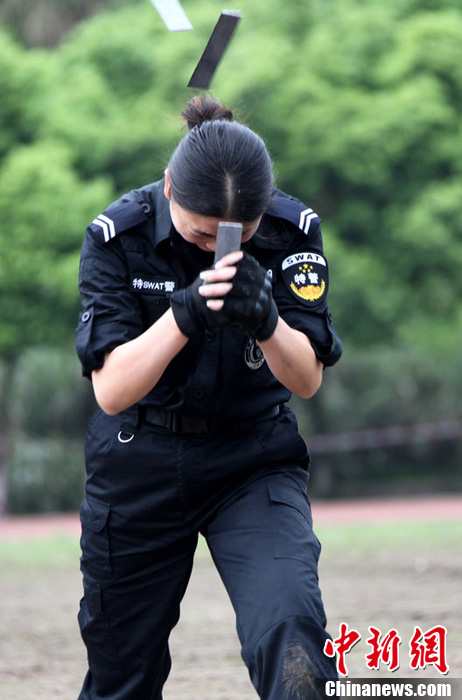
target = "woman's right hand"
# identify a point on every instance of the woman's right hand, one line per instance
(217, 281)
(198, 308)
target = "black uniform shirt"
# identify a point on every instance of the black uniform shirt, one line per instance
(133, 259)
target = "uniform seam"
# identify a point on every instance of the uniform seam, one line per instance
(180, 483)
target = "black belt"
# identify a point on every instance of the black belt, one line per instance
(177, 423)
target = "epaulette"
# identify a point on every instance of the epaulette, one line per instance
(293, 211)
(119, 218)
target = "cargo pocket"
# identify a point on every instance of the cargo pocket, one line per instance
(96, 631)
(281, 441)
(96, 555)
(291, 526)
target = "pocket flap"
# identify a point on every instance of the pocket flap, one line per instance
(290, 497)
(94, 513)
(281, 494)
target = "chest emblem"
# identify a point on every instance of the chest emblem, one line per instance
(152, 285)
(253, 356)
(306, 277)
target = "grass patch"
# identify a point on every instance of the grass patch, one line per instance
(55, 550)
(337, 540)
(419, 537)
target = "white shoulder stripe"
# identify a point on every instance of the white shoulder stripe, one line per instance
(306, 217)
(107, 226)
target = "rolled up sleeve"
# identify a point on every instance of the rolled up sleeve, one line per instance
(110, 315)
(310, 315)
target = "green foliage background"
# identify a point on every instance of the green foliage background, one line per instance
(360, 105)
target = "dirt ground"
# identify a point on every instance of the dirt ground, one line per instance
(42, 657)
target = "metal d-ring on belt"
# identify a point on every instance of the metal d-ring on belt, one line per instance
(178, 423)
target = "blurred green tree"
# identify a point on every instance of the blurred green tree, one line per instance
(22, 88)
(363, 116)
(44, 207)
(360, 104)
(45, 22)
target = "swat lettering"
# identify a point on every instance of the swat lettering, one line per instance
(303, 257)
(153, 286)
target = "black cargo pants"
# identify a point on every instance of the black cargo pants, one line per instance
(149, 492)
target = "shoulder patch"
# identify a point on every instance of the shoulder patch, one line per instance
(293, 211)
(306, 277)
(119, 218)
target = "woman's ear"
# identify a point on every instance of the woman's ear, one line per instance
(167, 185)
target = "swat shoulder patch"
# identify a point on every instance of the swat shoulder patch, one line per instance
(294, 211)
(306, 277)
(119, 218)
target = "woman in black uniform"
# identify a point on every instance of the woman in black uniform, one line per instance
(192, 366)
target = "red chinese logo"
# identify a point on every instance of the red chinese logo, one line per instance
(429, 648)
(341, 646)
(425, 648)
(386, 650)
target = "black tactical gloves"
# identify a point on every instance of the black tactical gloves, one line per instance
(191, 312)
(249, 303)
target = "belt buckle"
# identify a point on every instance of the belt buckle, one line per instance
(197, 426)
(174, 422)
(177, 423)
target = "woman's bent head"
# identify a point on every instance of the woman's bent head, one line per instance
(221, 168)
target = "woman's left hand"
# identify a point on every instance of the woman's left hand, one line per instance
(248, 298)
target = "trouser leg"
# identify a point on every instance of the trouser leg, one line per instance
(137, 554)
(128, 611)
(266, 552)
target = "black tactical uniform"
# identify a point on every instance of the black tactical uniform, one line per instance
(211, 449)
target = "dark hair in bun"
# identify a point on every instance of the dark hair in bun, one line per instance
(204, 109)
(221, 168)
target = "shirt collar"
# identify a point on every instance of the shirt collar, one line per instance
(162, 222)
(265, 237)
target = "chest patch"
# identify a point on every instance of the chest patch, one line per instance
(151, 285)
(306, 276)
(253, 356)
